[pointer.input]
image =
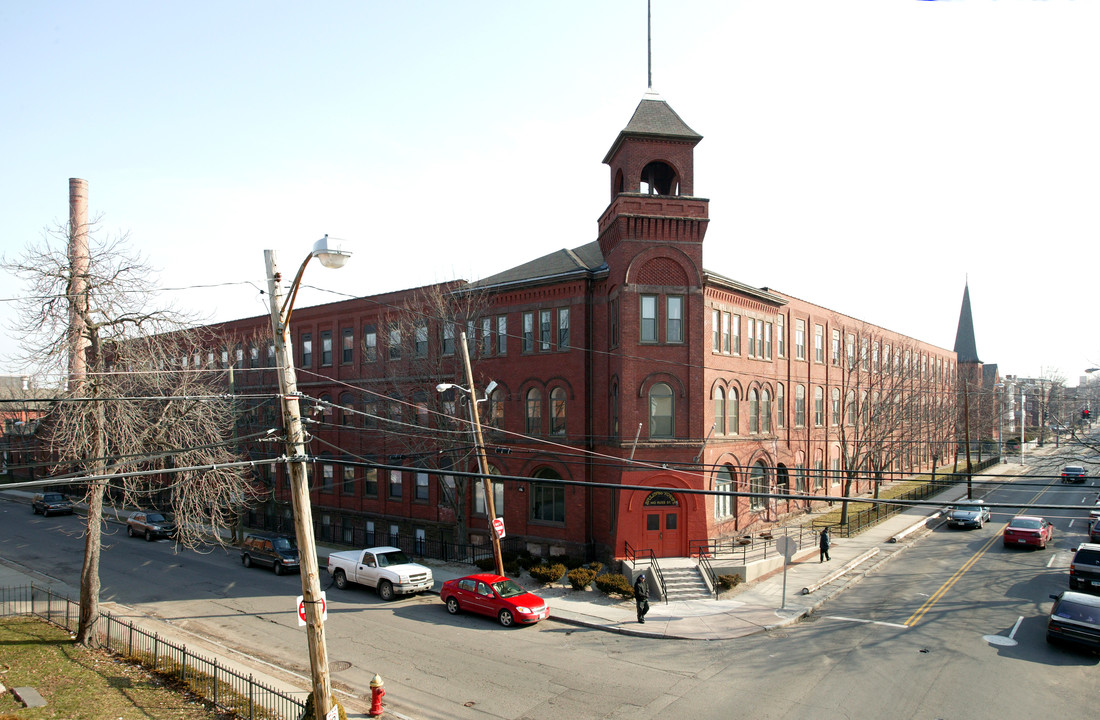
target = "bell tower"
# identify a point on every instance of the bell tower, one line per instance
(652, 181)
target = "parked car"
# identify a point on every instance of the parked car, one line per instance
(150, 525)
(1084, 568)
(51, 503)
(1073, 474)
(968, 513)
(387, 569)
(275, 551)
(1075, 618)
(1028, 530)
(495, 596)
(1094, 532)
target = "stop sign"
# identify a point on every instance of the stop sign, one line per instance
(302, 609)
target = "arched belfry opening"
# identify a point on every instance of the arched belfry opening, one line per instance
(658, 178)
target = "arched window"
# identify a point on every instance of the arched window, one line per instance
(780, 406)
(819, 406)
(496, 408)
(547, 500)
(800, 406)
(326, 409)
(661, 408)
(754, 412)
(659, 179)
(734, 412)
(724, 482)
(836, 407)
(851, 400)
(614, 414)
(765, 411)
(557, 411)
(347, 417)
(758, 483)
(534, 411)
(719, 411)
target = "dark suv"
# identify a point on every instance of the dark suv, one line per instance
(1084, 569)
(150, 525)
(274, 551)
(50, 503)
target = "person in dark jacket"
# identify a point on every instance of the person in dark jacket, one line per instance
(641, 597)
(824, 543)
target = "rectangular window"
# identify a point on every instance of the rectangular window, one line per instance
(674, 319)
(736, 333)
(767, 341)
(502, 334)
(421, 346)
(547, 503)
(716, 330)
(851, 350)
(563, 329)
(835, 355)
(780, 337)
(864, 352)
(370, 482)
(800, 339)
(498, 498)
(649, 319)
(395, 342)
(750, 331)
(347, 345)
(307, 350)
(819, 343)
(486, 336)
(545, 330)
(370, 343)
(448, 344)
(270, 354)
(326, 348)
(253, 357)
(348, 484)
(727, 336)
(528, 332)
(759, 338)
(422, 486)
(395, 483)
(780, 407)
(326, 477)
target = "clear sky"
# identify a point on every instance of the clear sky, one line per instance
(870, 156)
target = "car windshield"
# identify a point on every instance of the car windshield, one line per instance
(1074, 469)
(508, 589)
(1024, 524)
(53, 497)
(154, 518)
(1076, 611)
(971, 506)
(394, 557)
(281, 543)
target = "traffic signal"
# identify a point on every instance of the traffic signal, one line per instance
(1085, 414)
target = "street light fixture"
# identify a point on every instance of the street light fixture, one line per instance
(331, 256)
(482, 460)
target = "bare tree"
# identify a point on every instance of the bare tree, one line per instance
(139, 408)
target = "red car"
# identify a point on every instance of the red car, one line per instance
(495, 596)
(1028, 530)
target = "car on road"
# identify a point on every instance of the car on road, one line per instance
(1073, 474)
(1084, 568)
(51, 503)
(968, 513)
(1028, 530)
(495, 596)
(1075, 618)
(1094, 532)
(277, 552)
(150, 525)
(387, 569)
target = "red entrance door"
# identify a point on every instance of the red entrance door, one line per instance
(662, 531)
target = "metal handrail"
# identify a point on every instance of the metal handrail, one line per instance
(654, 566)
(708, 574)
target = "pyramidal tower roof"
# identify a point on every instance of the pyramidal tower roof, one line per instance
(654, 118)
(965, 346)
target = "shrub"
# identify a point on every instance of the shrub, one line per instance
(486, 564)
(580, 578)
(729, 581)
(512, 568)
(568, 561)
(615, 584)
(527, 561)
(547, 573)
(595, 566)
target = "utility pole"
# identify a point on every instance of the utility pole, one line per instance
(303, 514)
(483, 461)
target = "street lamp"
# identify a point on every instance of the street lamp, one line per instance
(482, 460)
(999, 387)
(331, 257)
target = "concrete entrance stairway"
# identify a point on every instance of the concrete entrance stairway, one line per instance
(683, 580)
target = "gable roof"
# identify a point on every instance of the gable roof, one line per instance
(557, 265)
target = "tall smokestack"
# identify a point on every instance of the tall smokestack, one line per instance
(78, 281)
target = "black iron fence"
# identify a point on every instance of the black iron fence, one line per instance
(225, 687)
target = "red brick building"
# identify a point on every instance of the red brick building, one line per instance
(619, 362)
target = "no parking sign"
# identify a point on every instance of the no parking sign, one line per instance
(302, 609)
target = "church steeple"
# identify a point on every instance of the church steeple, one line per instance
(965, 347)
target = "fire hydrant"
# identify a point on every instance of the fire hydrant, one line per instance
(377, 692)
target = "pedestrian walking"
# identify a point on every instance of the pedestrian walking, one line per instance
(641, 597)
(824, 544)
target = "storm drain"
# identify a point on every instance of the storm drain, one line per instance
(339, 665)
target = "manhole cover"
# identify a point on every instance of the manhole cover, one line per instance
(339, 665)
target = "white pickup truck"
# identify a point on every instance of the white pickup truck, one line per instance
(387, 569)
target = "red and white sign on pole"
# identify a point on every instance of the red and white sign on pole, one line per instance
(302, 609)
(498, 527)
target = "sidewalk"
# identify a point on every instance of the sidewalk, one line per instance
(753, 607)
